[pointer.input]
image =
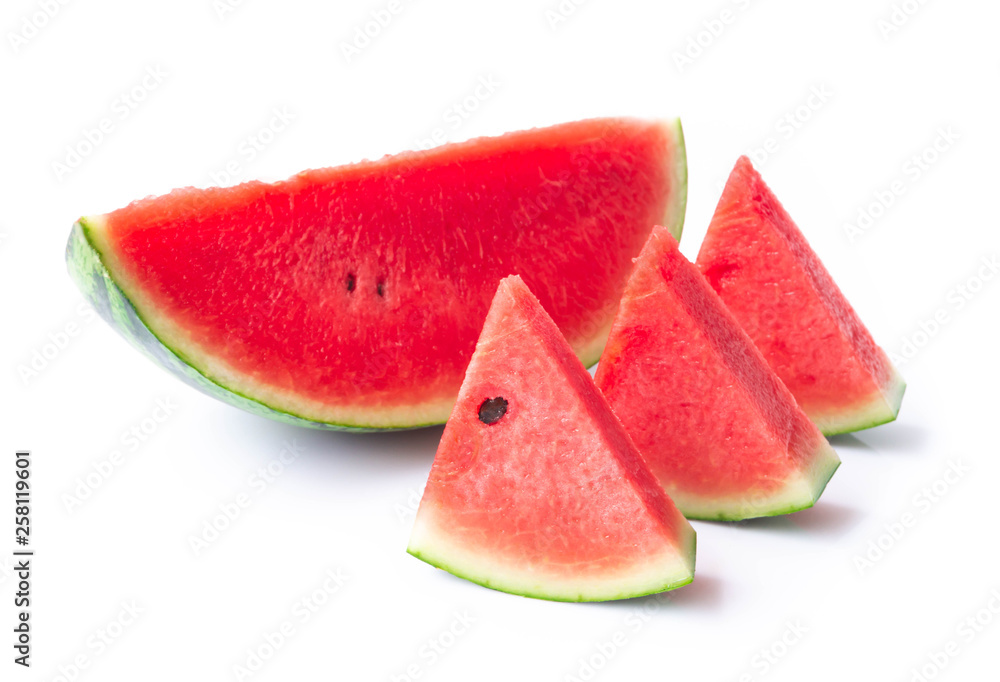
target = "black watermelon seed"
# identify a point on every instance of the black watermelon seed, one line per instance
(351, 282)
(492, 410)
(380, 288)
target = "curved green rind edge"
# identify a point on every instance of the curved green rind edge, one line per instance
(762, 511)
(680, 175)
(672, 584)
(866, 419)
(88, 271)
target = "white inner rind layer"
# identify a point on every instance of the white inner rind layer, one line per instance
(432, 542)
(799, 491)
(880, 408)
(673, 219)
(371, 415)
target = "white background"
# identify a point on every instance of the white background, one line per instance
(338, 505)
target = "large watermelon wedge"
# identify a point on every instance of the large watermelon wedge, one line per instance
(536, 488)
(352, 296)
(716, 425)
(759, 262)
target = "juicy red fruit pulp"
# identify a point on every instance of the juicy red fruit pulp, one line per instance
(367, 284)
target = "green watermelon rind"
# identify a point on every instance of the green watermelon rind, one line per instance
(600, 593)
(87, 268)
(674, 219)
(882, 410)
(825, 465)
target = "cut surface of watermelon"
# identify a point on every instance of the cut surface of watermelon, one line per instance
(717, 427)
(353, 296)
(761, 265)
(536, 489)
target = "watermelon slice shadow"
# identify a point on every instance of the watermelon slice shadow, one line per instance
(892, 437)
(829, 519)
(705, 591)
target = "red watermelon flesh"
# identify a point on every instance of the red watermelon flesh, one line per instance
(759, 262)
(718, 428)
(550, 499)
(354, 295)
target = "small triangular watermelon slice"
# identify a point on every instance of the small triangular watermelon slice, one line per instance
(759, 262)
(716, 425)
(536, 488)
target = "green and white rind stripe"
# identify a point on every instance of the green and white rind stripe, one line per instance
(881, 409)
(676, 210)
(799, 492)
(431, 543)
(92, 277)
